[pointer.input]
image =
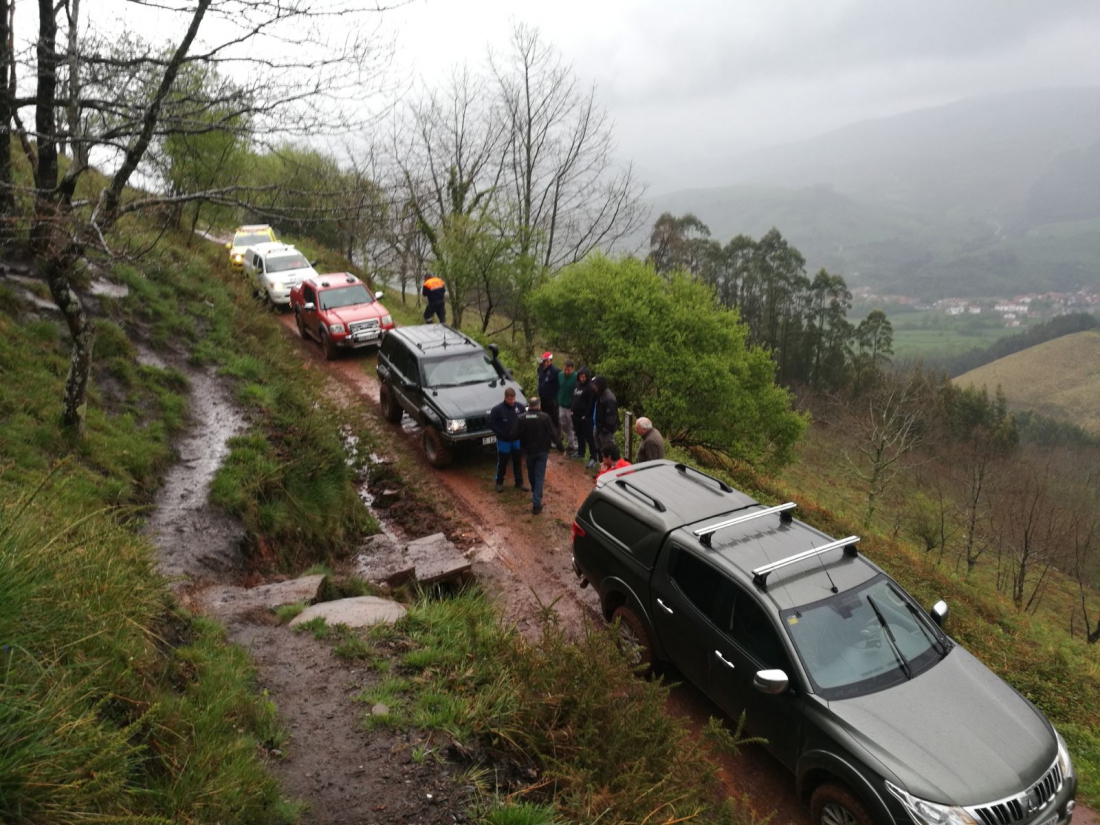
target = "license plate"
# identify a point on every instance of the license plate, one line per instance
(490, 440)
(369, 335)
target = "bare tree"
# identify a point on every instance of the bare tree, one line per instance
(120, 101)
(887, 424)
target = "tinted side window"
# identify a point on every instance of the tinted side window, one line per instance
(637, 536)
(309, 295)
(697, 580)
(748, 625)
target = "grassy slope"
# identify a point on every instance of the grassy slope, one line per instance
(115, 706)
(1059, 379)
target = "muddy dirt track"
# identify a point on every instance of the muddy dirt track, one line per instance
(525, 560)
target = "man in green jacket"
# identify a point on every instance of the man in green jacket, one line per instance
(567, 382)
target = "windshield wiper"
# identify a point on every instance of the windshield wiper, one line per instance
(903, 663)
(933, 639)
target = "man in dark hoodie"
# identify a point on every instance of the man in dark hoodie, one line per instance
(584, 399)
(502, 419)
(549, 384)
(535, 432)
(607, 414)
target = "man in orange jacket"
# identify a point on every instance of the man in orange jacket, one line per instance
(436, 293)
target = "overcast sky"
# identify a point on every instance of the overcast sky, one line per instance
(687, 81)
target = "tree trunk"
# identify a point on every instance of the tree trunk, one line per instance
(75, 411)
(7, 196)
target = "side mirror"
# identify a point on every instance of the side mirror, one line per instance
(939, 612)
(493, 348)
(772, 682)
(378, 296)
(313, 263)
(309, 306)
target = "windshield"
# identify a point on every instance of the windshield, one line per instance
(863, 640)
(248, 240)
(345, 296)
(286, 263)
(461, 369)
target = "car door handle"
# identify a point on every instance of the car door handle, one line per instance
(723, 659)
(664, 607)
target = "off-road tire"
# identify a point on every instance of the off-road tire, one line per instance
(634, 638)
(439, 453)
(330, 351)
(833, 804)
(301, 325)
(391, 410)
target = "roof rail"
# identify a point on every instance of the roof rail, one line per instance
(642, 494)
(760, 574)
(685, 469)
(704, 533)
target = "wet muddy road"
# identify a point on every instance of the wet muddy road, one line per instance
(525, 561)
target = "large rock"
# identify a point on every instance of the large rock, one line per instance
(361, 611)
(229, 601)
(427, 560)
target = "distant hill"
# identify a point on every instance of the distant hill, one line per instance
(982, 197)
(1060, 379)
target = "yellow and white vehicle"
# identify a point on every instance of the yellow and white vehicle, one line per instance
(243, 238)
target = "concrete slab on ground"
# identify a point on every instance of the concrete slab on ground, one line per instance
(360, 611)
(428, 560)
(233, 601)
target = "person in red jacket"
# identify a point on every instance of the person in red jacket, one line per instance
(435, 291)
(612, 461)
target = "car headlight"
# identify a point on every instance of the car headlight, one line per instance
(237, 257)
(387, 320)
(1064, 761)
(456, 425)
(924, 812)
(335, 328)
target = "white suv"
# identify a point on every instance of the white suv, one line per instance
(275, 269)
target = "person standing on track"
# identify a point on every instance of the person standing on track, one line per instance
(535, 432)
(567, 381)
(502, 418)
(435, 291)
(549, 385)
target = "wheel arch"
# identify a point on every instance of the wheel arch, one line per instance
(817, 768)
(614, 593)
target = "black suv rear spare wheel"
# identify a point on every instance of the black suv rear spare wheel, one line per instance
(634, 638)
(836, 805)
(438, 451)
(391, 410)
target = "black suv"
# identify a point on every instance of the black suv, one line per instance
(446, 382)
(881, 716)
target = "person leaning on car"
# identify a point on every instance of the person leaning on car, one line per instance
(502, 419)
(535, 432)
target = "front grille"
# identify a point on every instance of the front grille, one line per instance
(477, 422)
(362, 326)
(1022, 806)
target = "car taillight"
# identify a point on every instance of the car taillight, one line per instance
(577, 532)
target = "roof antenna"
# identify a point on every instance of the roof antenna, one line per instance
(821, 561)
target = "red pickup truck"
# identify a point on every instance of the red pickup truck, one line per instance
(340, 312)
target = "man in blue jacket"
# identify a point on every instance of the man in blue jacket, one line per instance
(549, 387)
(502, 419)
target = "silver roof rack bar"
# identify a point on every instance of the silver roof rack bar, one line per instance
(760, 574)
(704, 533)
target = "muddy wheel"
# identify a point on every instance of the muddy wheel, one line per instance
(328, 347)
(836, 805)
(634, 638)
(438, 452)
(301, 325)
(391, 410)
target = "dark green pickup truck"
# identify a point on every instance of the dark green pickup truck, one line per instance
(880, 715)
